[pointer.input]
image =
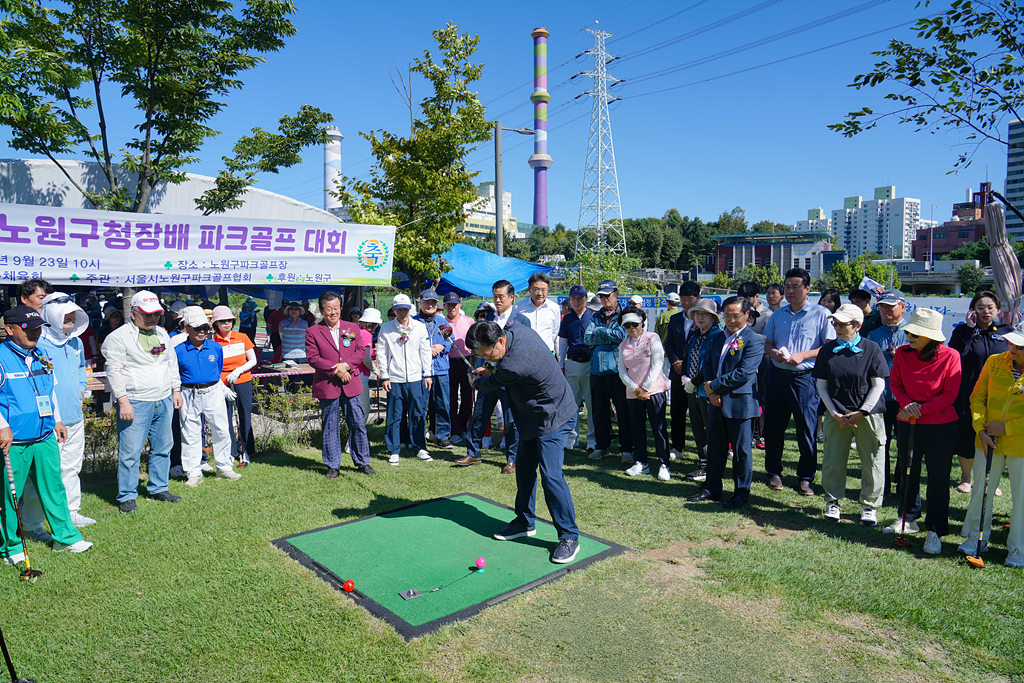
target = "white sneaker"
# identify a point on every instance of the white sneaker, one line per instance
(194, 480)
(81, 520)
(868, 515)
(424, 456)
(627, 458)
(596, 454)
(176, 471)
(970, 547)
(207, 467)
(38, 534)
(229, 474)
(663, 474)
(897, 527)
(672, 455)
(832, 511)
(79, 547)
(638, 468)
(344, 448)
(932, 543)
(393, 459)
(17, 558)
(1015, 559)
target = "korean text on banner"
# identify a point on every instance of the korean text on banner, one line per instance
(112, 249)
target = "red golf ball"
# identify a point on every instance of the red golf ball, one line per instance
(481, 563)
(348, 586)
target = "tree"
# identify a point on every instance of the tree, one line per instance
(697, 240)
(174, 61)
(731, 222)
(644, 237)
(598, 266)
(759, 274)
(722, 281)
(846, 276)
(970, 277)
(671, 246)
(421, 183)
(972, 251)
(967, 75)
(770, 227)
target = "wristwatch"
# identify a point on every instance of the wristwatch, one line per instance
(863, 412)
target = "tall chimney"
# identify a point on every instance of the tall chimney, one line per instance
(332, 168)
(540, 162)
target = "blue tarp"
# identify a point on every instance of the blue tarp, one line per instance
(473, 271)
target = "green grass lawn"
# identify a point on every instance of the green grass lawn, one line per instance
(195, 591)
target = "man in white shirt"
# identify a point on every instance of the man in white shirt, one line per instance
(543, 313)
(406, 363)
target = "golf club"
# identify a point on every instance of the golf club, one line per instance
(975, 559)
(379, 419)
(29, 574)
(902, 541)
(10, 664)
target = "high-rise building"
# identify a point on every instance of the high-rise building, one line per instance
(885, 225)
(1015, 177)
(481, 218)
(816, 222)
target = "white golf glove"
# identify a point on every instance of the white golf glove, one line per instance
(689, 386)
(233, 376)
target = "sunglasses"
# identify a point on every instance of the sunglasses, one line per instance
(205, 329)
(630, 326)
(61, 300)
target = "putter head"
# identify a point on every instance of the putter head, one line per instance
(30, 575)
(904, 542)
(976, 561)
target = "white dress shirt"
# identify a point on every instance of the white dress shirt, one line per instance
(544, 320)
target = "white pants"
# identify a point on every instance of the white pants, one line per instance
(578, 375)
(72, 452)
(1015, 465)
(208, 403)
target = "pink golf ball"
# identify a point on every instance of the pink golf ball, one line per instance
(481, 563)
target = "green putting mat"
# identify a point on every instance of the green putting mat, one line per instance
(431, 544)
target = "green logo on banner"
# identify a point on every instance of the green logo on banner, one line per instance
(372, 254)
(74, 278)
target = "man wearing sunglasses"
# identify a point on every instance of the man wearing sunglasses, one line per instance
(143, 373)
(200, 365)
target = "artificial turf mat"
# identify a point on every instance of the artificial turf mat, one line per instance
(431, 544)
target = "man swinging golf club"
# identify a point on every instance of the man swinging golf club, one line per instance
(544, 410)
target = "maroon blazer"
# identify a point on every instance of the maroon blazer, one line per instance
(323, 355)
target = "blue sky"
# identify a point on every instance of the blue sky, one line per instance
(757, 140)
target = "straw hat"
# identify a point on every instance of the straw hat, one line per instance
(706, 305)
(926, 323)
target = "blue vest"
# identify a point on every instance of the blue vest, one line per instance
(19, 387)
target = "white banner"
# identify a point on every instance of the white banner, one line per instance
(113, 249)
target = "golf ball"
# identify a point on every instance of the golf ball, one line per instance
(481, 563)
(348, 586)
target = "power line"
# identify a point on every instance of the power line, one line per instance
(659, 21)
(871, 4)
(776, 61)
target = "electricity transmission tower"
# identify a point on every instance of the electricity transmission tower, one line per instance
(600, 226)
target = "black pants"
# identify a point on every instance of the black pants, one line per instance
(460, 397)
(722, 431)
(892, 408)
(680, 405)
(698, 408)
(640, 413)
(935, 445)
(244, 405)
(605, 390)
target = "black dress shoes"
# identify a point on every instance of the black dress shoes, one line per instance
(738, 500)
(704, 495)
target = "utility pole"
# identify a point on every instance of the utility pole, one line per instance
(499, 225)
(599, 204)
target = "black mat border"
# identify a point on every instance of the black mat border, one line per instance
(404, 628)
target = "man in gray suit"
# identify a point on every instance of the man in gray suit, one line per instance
(730, 372)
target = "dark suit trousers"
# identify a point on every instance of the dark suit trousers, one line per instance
(698, 408)
(892, 408)
(548, 453)
(640, 412)
(606, 390)
(722, 431)
(486, 402)
(461, 398)
(680, 404)
(793, 396)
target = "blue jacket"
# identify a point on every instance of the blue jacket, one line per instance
(605, 336)
(714, 339)
(739, 372)
(72, 380)
(434, 336)
(20, 384)
(679, 327)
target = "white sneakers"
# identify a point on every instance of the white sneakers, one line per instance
(832, 511)
(393, 459)
(663, 473)
(897, 527)
(228, 474)
(596, 454)
(970, 547)
(194, 480)
(637, 469)
(81, 520)
(1015, 559)
(207, 467)
(79, 547)
(672, 455)
(932, 543)
(868, 515)
(17, 558)
(424, 456)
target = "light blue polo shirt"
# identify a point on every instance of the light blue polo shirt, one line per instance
(804, 330)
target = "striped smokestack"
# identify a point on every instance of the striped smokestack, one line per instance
(540, 162)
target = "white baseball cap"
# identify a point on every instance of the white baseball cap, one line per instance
(673, 297)
(147, 302)
(401, 301)
(637, 300)
(194, 316)
(848, 313)
(1016, 337)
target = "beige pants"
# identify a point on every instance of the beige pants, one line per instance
(1015, 466)
(870, 435)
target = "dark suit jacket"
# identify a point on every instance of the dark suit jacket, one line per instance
(735, 384)
(679, 327)
(323, 355)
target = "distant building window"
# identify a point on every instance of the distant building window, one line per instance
(807, 263)
(963, 234)
(940, 236)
